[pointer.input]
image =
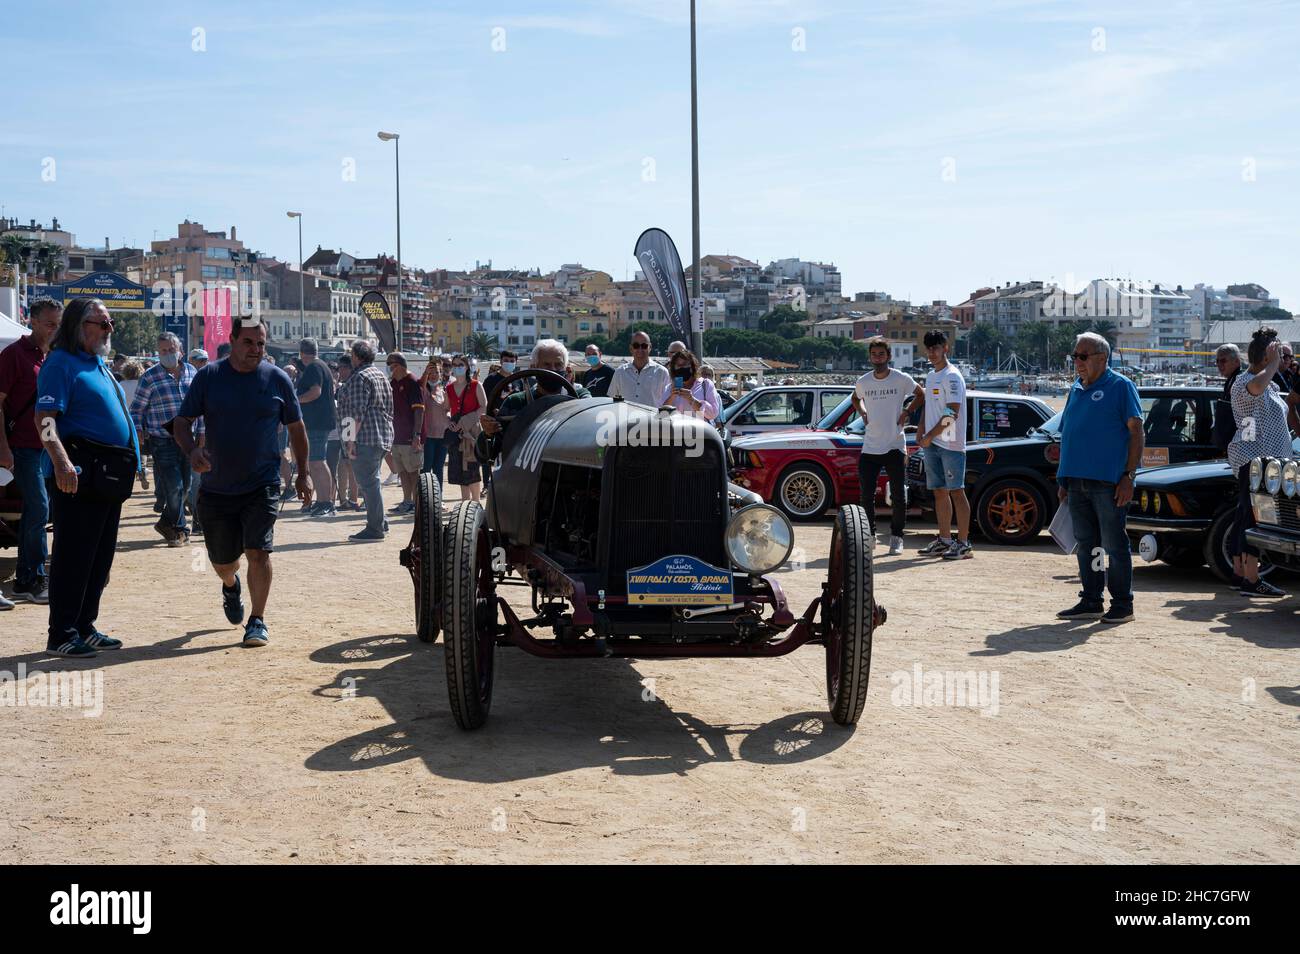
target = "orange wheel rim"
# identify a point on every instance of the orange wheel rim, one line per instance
(1013, 511)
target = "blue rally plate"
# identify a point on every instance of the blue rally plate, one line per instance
(678, 580)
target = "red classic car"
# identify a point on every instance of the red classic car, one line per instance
(807, 470)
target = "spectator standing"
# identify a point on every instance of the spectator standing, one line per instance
(509, 365)
(466, 399)
(1101, 448)
(434, 386)
(157, 400)
(20, 447)
(367, 425)
(347, 482)
(642, 381)
(243, 401)
(689, 393)
(314, 386)
(408, 428)
(599, 374)
(882, 397)
(86, 430)
(1260, 413)
(942, 437)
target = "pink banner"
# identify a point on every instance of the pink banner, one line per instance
(216, 319)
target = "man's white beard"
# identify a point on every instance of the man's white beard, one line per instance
(104, 347)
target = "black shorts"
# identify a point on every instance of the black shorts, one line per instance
(233, 523)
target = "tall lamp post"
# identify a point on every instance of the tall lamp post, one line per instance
(397, 170)
(697, 337)
(302, 298)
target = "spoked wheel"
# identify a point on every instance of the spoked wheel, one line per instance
(469, 616)
(848, 615)
(1011, 512)
(424, 558)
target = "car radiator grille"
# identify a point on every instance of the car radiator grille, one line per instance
(665, 503)
(1288, 513)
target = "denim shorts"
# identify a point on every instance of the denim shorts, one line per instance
(944, 469)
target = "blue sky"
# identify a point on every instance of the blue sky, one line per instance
(925, 148)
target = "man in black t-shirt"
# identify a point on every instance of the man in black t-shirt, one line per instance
(598, 375)
(315, 390)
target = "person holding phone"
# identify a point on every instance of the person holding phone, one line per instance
(690, 393)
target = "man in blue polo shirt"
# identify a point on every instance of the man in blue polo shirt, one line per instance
(1101, 447)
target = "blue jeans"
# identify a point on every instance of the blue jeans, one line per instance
(1099, 522)
(435, 457)
(32, 548)
(365, 467)
(171, 468)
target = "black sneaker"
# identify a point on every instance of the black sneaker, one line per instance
(936, 547)
(72, 649)
(99, 642)
(255, 633)
(1261, 588)
(1118, 614)
(1082, 610)
(36, 593)
(366, 535)
(166, 532)
(232, 602)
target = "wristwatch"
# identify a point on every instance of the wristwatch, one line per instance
(1131, 474)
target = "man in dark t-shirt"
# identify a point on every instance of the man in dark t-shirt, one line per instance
(315, 390)
(243, 400)
(598, 375)
(408, 429)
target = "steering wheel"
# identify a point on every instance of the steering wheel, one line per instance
(499, 393)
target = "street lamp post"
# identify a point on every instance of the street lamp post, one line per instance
(302, 298)
(397, 175)
(697, 337)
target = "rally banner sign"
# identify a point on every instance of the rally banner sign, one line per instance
(374, 306)
(663, 270)
(216, 318)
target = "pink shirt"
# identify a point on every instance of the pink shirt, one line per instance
(703, 391)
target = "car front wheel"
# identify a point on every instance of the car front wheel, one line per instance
(803, 492)
(1011, 512)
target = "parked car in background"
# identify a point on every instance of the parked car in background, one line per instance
(1011, 484)
(806, 471)
(781, 407)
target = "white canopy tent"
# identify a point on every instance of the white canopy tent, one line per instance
(10, 330)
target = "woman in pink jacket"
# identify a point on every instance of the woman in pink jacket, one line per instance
(434, 385)
(690, 393)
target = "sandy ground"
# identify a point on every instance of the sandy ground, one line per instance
(1171, 739)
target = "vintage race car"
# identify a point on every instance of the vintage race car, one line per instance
(620, 520)
(1275, 500)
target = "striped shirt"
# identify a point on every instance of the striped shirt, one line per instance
(158, 398)
(366, 408)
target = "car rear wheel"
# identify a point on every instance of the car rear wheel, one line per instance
(469, 616)
(848, 614)
(424, 558)
(1011, 512)
(803, 491)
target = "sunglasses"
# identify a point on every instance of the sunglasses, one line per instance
(1084, 357)
(639, 347)
(105, 324)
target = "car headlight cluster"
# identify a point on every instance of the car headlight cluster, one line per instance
(759, 538)
(1291, 478)
(1272, 476)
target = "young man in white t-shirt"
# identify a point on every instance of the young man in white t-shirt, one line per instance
(942, 434)
(884, 398)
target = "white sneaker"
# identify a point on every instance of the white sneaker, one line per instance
(392, 480)
(895, 546)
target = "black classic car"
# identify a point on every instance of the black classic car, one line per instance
(620, 521)
(1011, 484)
(1275, 498)
(1184, 515)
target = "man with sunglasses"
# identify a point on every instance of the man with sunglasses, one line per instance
(1101, 447)
(643, 381)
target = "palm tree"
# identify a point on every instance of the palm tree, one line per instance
(1035, 337)
(17, 251)
(1107, 330)
(49, 260)
(482, 345)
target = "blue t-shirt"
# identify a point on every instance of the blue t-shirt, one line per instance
(242, 413)
(89, 402)
(1094, 428)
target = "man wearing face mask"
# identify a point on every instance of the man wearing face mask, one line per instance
(598, 375)
(548, 355)
(157, 400)
(509, 365)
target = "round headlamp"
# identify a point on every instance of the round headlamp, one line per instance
(1272, 476)
(1155, 500)
(1256, 473)
(1144, 500)
(1290, 478)
(759, 538)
